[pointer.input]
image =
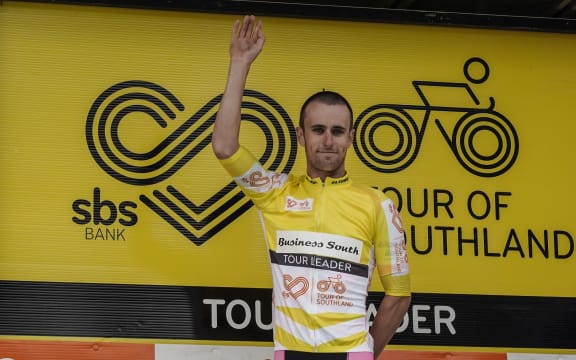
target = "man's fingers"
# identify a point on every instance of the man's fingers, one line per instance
(246, 30)
(257, 34)
(235, 28)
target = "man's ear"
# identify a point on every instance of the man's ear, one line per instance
(351, 137)
(300, 136)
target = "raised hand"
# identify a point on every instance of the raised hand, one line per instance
(247, 40)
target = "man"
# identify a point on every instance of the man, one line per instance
(324, 234)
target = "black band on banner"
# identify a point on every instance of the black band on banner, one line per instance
(244, 314)
(372, 12)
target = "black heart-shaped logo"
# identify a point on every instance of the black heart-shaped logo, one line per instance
(197, 222)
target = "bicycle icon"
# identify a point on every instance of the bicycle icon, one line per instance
(335, 281)
(477, 123)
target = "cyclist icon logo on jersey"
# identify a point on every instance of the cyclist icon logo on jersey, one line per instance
(333, 281)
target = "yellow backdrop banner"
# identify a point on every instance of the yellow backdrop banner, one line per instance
(108, 175)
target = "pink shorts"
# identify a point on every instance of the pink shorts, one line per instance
(297, 355)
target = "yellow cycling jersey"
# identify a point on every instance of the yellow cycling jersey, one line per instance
(324, 239)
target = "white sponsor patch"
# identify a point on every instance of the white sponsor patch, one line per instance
(398, 254)
(308, 242)
(260, 180)
(293, 204)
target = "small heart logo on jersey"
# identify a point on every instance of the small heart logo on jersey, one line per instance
(197, 222)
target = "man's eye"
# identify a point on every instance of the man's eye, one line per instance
(317, 130)
(338, 132)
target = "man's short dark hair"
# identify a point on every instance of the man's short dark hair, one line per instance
(325, 97)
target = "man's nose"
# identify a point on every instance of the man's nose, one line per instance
(328, 139)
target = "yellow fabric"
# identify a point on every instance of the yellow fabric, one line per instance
(398, 285)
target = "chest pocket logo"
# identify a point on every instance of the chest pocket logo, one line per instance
(293, 204)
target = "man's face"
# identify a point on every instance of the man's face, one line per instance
(326, 137)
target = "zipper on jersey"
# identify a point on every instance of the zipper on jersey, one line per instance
(319, 213)
(320, 206)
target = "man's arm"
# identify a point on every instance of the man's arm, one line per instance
(246, 43)
(389, 316)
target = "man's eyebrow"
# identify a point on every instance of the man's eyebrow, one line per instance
(339, 128)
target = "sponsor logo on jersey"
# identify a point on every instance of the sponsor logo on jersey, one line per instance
(295, 287)
(293, 204)
(398, 254)
(329, 245)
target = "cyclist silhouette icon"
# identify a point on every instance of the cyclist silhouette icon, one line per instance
(335, 281)
(475, 123)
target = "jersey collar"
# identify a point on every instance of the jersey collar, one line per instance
(328, 182)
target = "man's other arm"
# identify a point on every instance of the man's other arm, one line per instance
(389, 316)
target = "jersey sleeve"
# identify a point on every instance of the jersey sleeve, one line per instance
(390, 252)
(259, 184)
